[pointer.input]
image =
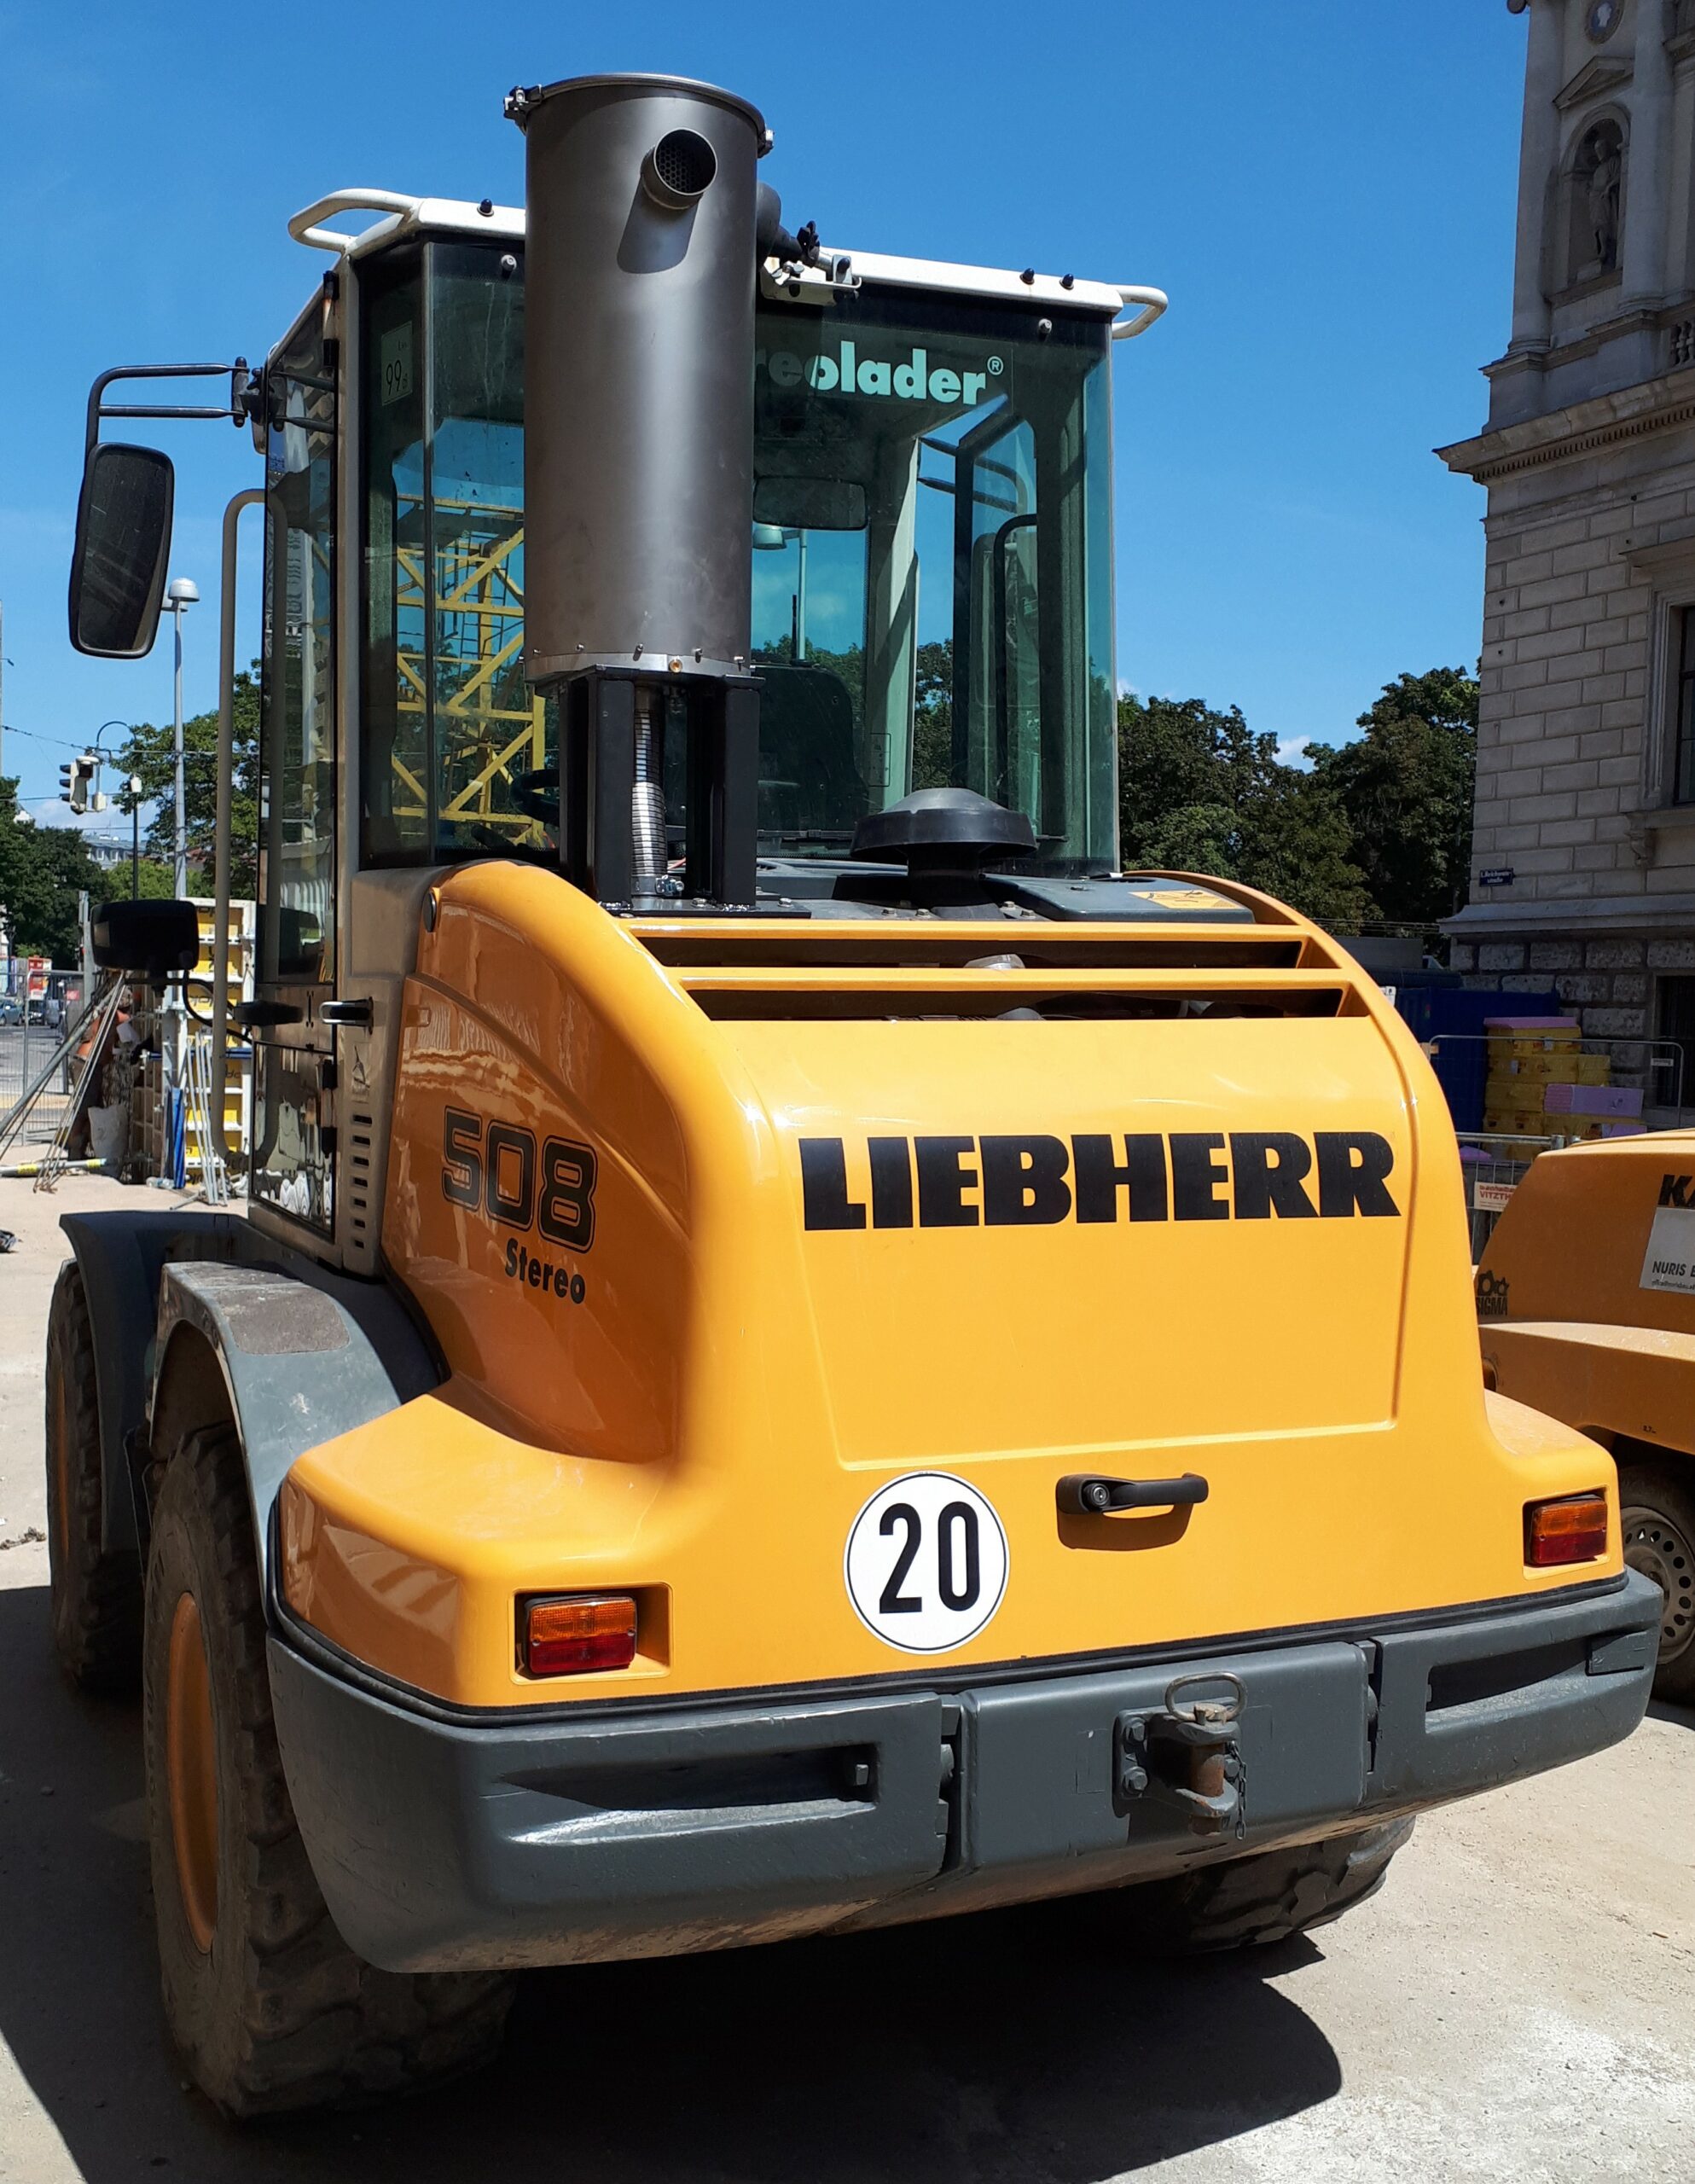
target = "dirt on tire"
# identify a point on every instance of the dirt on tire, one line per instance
(1656, 1507)
(96, 1592)
(278, 2013)
(1266, 1897)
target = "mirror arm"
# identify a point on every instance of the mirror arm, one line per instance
(98, 407)
(253, 497)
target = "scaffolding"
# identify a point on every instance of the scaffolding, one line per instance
(467, 629)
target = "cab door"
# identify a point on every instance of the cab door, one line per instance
(294, 1137)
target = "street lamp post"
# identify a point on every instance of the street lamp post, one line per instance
(100, 735)
(183, 592)
(135, 837)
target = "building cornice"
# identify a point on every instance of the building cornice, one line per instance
(1654, 405)
(1570, 914)
(1606, 72)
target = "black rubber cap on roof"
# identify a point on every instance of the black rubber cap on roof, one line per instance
(940, 828)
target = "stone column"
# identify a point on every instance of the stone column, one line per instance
(1647, 164)
(1538, 154)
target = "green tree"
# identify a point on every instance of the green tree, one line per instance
(41, 871)
(149, 753)
(932, 726)
(159, 881)
(1200, 792)
(1407, 786)
(1297, 845)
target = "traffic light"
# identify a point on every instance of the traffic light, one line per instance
(75, 778)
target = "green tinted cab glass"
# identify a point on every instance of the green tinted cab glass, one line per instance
(932, 581)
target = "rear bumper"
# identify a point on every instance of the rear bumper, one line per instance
(444, 1842)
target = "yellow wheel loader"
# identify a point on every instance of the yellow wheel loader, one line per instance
(803, 1352)
(1586, 1308)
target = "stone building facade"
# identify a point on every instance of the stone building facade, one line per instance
(1584, 852)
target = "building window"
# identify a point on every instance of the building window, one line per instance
(1677, 1029)
(1683, 709)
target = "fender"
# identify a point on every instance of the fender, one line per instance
(119, 1256)
(198, 1318)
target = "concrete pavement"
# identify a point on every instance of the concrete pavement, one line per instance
(1518, 2002)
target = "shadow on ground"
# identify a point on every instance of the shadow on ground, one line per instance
(1003, 2045)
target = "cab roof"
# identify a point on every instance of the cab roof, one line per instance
(401, 215)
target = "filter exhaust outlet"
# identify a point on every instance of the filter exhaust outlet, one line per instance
(641, 282)
(680, 170)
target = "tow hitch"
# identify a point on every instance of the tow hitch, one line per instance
(1187, 1755)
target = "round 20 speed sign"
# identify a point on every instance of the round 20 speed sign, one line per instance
(926, 1562)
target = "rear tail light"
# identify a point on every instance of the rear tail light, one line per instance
(570, 1634)
(1573, 1528)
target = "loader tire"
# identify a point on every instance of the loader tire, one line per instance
(269, 2008)
(96, 1594)
(1657, 1518)
(1247, 1903)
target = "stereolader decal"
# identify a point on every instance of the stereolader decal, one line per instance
(946, 1181)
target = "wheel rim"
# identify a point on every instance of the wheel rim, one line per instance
(1659, 1548)
(191, 1771)
(62, 1471)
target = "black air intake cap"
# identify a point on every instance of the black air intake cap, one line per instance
(942, 829)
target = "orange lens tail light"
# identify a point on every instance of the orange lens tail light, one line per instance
(1573, 1528)
(572, 1633)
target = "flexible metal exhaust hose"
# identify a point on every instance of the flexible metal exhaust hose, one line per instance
(648, 799)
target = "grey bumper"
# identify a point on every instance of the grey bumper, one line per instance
(442, 1843)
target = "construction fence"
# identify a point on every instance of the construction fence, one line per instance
(26, 1050)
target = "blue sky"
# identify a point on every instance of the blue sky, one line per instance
(1326, 188)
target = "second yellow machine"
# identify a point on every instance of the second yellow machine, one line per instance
(803, 1353)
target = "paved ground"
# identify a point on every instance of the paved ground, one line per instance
(1518, 2003)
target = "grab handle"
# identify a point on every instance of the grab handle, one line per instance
(1085, 1494)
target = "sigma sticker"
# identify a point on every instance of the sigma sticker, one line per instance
(1669, 1260)
(926, 1563)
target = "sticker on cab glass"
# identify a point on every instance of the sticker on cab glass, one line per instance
(926, 1563)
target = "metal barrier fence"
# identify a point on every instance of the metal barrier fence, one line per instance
(1655, 1067)
(26, 1049)
(1492, 1163)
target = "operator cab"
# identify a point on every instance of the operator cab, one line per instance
(932, 554)
(932, 599)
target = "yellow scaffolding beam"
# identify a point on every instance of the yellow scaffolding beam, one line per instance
(482, 738)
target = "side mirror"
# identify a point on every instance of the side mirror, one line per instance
(155, 938)
(123, 539)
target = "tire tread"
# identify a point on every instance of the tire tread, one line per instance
(97, 1593)
(316, 2025)
(1269, 1897)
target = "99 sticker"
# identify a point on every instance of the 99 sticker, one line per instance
(926, 1563)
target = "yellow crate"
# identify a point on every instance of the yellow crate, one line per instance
(1549, 1064)
(1517, 1118)
(1503, 1094)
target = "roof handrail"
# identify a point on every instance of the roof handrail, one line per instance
(303, 227)
(1153, 300)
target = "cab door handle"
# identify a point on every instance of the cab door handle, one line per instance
(1086, 1494)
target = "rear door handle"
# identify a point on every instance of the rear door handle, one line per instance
(1085, 1494)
